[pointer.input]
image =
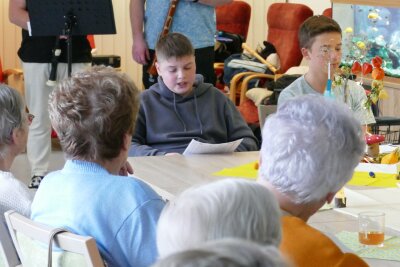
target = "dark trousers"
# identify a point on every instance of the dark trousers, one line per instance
(204, 66)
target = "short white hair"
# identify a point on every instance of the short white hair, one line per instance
(225, 208)
(226, 253)
(11, 116)
(310, 148)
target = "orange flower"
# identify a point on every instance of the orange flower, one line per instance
(356, 68)
(366, 68)
(377, 62)
(378, 74)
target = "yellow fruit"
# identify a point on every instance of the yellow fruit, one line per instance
(256, 165)
(391, 158)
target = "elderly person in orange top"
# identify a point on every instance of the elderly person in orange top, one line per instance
(311, 147)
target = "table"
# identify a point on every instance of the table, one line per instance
(170, 175)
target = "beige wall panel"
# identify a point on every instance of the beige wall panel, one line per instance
(10, 38)
(391, 106)
(121, 43)
(317, 5)
(2, 26)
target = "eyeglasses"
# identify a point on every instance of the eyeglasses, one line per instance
(30, 118)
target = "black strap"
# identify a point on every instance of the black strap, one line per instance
(50, 250)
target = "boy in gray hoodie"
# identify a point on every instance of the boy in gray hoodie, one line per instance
(181, 107)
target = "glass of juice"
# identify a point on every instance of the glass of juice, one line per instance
(371, 228)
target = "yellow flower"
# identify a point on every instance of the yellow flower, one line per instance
(374, 99)
(377, 84)
(383, 94)
(348, 30)
(361, 45)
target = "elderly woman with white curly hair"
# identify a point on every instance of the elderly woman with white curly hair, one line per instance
(14, 127)
(229, 252)
(226, 208)
(311, 146)
(94, 114)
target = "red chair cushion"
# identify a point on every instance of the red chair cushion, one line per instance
(234, 17)
(249, 112)
(284, 21)
(327, 12)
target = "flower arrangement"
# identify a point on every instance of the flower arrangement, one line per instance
(356, 63)
(377, 73)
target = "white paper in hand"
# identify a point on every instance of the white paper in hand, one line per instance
(196, 147)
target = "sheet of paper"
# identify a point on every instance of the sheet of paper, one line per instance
(28, 25)
(196, 147)
(387, 148)
(390, 250)
(354, 198)
(388, 196)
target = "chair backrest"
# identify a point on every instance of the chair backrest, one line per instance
(327, 12)
(264, 111)
(31, 240)
(91, 40)
(284, 20)
(8, 254)
(234, 17)
(14, 78)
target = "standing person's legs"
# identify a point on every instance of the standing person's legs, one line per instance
(205, 63)
(36, 97)
(62, 70)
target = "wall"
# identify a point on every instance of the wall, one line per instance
(10, 37)
(317, 5)
(120, 44)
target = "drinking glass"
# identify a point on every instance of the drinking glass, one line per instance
(371, 228)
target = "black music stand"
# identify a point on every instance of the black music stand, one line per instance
(69, 18)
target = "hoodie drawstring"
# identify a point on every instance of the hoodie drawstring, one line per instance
(197, 113)
(177, 114)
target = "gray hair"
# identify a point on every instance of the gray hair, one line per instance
(226, 253)
(225, 208)
(92, 111)
(11, 109)
(310, 148)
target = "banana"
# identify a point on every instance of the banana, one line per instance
(392, 157)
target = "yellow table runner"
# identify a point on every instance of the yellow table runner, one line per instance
(249, 171)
